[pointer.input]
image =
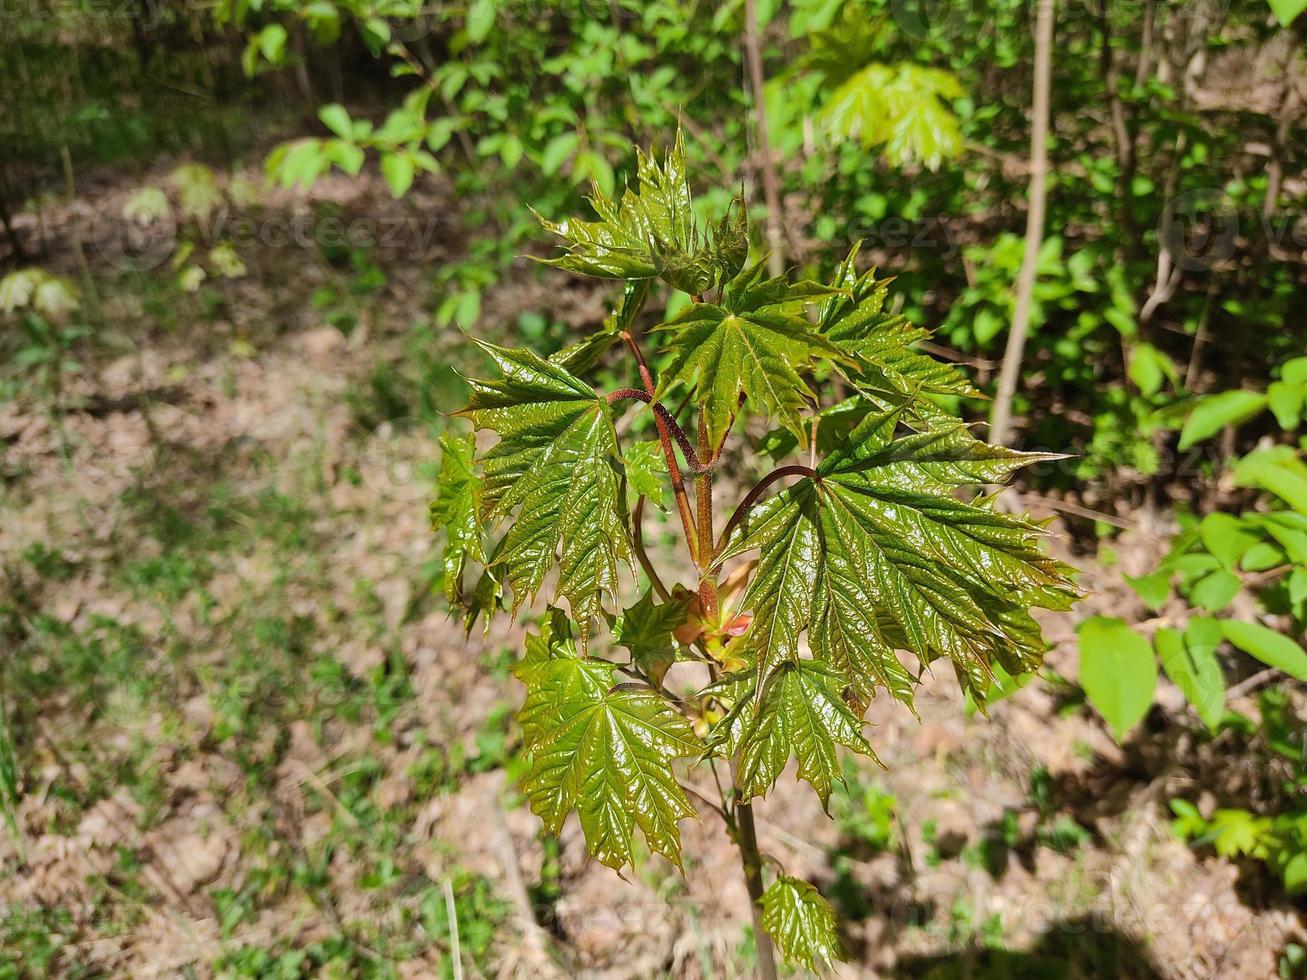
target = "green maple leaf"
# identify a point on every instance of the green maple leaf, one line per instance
(801, 712)
(456, 509)
(801, 923)
(605, 751)
(876, 553)
(651, 232)
(857, 323)
(645, 629)
(557, 466)
(646, 471)
(755, 342)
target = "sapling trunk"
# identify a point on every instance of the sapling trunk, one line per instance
(746, 835)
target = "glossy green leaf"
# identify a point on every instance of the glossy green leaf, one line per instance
(1287, 403)
(877, 554)
(1215, 591)
(556, 465)
(902, 108)
(646, 471)
(480, 19)
(645, 629)
(755, 342)
(1270, 647)
(801, 712)
(651, 232)
(1154, 588)
(1280, 470)
(1287, 11)
(605, 751)
(1193, 668)
(880, 343)
(801, 923)
(457, 509)
(398, 171)
(1117, 671)
(336, 118)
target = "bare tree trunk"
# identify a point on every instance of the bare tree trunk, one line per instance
(1000, 421)
(770, 184)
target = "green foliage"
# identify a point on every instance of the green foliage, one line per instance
(652, 233)
(8, 774)
(754, 343)
(1117, 671)
(1279, 839)
(801, 923)
(869, 552)
(556, 465)
(605, 750)
(1226, 562)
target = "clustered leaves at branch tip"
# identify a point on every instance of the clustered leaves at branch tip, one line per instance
(841, 566)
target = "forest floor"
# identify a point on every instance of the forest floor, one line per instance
(253, 743)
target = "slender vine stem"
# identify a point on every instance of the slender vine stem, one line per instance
(758, 490)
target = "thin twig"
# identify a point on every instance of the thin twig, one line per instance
(669, 453)
(451, 912)
(759, 488)
(692, 461)
(1009, 375)
(637, 533)
(1250, 684)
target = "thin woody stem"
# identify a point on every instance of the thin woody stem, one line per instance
(669, 453)
(637, 532)
(703, 496)
(692, 461)
(752, 496)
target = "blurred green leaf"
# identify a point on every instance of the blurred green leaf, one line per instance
(1270, 647)
(1117, 671)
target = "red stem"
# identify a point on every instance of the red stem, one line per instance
(669, 454)
(692, 461)
(752, 496)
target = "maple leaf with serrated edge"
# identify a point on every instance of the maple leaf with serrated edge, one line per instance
(756, 341)
(605, 751)
(801, 711)
(645, 629)
(801, 923)
(456, 509)
(875, 553)
(646, 471)
(556, 466)
(650, 232)
(856, 322)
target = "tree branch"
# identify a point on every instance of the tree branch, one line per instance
(692, 461)
(770, 184)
